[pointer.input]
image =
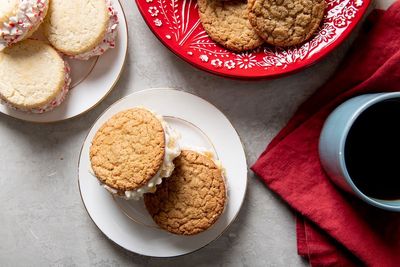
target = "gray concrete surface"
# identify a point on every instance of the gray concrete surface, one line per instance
(42, 219)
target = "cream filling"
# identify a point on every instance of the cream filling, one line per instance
(30, 14)
(109, 38)
(54, 103)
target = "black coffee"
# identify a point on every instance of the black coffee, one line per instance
(372, 151)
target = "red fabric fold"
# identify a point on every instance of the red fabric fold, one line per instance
(333, 228)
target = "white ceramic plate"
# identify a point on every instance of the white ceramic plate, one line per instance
(92, 80)
(201, 124)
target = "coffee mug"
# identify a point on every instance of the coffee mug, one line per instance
(358, 146)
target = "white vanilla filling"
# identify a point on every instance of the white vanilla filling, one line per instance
(30, 13)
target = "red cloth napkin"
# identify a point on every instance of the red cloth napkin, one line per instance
(334, 228)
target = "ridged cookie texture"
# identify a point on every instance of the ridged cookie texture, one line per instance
(227, 23)
(192, 199)
(32, 75)
(76, 26)
(286, 22)
(128, 150)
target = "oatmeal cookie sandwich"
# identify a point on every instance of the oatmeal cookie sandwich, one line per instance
(132, 153)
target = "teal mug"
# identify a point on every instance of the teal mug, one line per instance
(359, 148)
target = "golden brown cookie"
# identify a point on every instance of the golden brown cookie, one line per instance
(227, 23)
(286, 22)
(192, 199)
(128, 150)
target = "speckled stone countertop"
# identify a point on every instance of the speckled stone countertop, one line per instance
(43, 221)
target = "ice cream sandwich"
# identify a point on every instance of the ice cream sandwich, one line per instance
(33, 77)
(133, 151)
(81, 29)
(19, 19)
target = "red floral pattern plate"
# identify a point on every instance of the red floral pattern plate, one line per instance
(176, 23)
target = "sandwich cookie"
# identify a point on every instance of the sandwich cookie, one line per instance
(33, 77)
(227, 23)
(81, 29)
(19, 19)
(192, 199)
(286, 23)
(132, 152)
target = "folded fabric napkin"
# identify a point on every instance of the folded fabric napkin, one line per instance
(333, 227)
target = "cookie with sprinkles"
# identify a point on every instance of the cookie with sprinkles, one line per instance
(81, 29)
(19, 19)
(31, 89)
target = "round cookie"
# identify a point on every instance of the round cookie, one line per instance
(226, 22)
(81, 29)
(19, 19)
(132, 152)
(33, 77)
(286, 22)
(192, 199)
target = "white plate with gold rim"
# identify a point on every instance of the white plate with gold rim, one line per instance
(92, 80)
(201, 125)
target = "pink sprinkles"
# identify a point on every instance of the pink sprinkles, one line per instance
(15, 31)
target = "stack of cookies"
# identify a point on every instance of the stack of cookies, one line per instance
(239, 25)
(136, 155)
(34, 77)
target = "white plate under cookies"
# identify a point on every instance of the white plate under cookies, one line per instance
(202, 125)
(92, 80)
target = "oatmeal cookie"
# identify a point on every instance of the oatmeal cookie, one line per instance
(192, 199)
(285, 22)
(227, 23)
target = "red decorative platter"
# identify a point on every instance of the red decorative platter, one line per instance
(176, 23)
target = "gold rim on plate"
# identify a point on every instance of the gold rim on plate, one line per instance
(188, 253)
(87, 75)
